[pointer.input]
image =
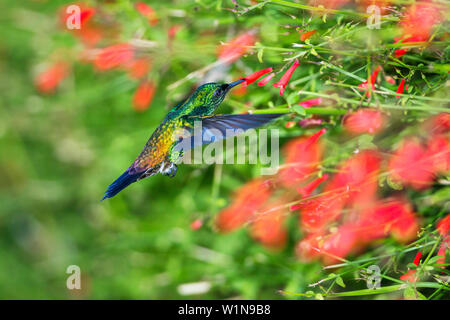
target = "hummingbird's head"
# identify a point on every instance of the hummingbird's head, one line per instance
(212, 94)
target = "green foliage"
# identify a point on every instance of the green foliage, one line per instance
(58, 153)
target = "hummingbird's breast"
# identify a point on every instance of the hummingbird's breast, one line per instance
(159, 145)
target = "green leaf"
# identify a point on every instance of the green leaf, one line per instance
(340, 282)
(409, 294)
(260, 55)
(314, 52)
(299, 110)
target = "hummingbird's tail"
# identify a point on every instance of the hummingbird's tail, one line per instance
(121, 183)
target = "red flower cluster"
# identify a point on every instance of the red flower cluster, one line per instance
(415, 165)
(417, 24)
(348, 214)
(252, 202)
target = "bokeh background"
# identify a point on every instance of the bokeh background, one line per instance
(70, 123)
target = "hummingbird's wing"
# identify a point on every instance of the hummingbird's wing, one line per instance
(212, 128)
(204, 130)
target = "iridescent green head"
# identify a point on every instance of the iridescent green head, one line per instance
(211, 95)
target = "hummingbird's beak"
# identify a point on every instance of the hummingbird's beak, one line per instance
(235, 83)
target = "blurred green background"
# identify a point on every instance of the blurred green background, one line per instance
(58, 153)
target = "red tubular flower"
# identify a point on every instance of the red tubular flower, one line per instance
(417, 258)
(308, 122)
(411, 275)
(441, 255)
(364, 121)
(147, 12)
(143, 96)
(307, 190)
(400, 88)
(247, 201)
(265, 80)
(236, 48)
(268, 227)
(286, 77)
(411, 165)
(138, 68)
(307, 35)
(302, 156)
(443, 226)
(254, 76)
(310, 102)
(114, 56)
(400, 52)
(48, 80)
(371, 80)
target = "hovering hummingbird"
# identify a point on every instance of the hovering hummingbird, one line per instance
(161, 154)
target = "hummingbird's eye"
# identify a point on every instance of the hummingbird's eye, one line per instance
(217, 93)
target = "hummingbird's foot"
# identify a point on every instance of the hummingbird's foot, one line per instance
(174, 171)
(170, 170)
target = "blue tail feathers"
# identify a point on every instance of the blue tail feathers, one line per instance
(121, 183)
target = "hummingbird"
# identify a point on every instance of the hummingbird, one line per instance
(162, 151)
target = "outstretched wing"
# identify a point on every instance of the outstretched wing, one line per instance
(204, 130)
